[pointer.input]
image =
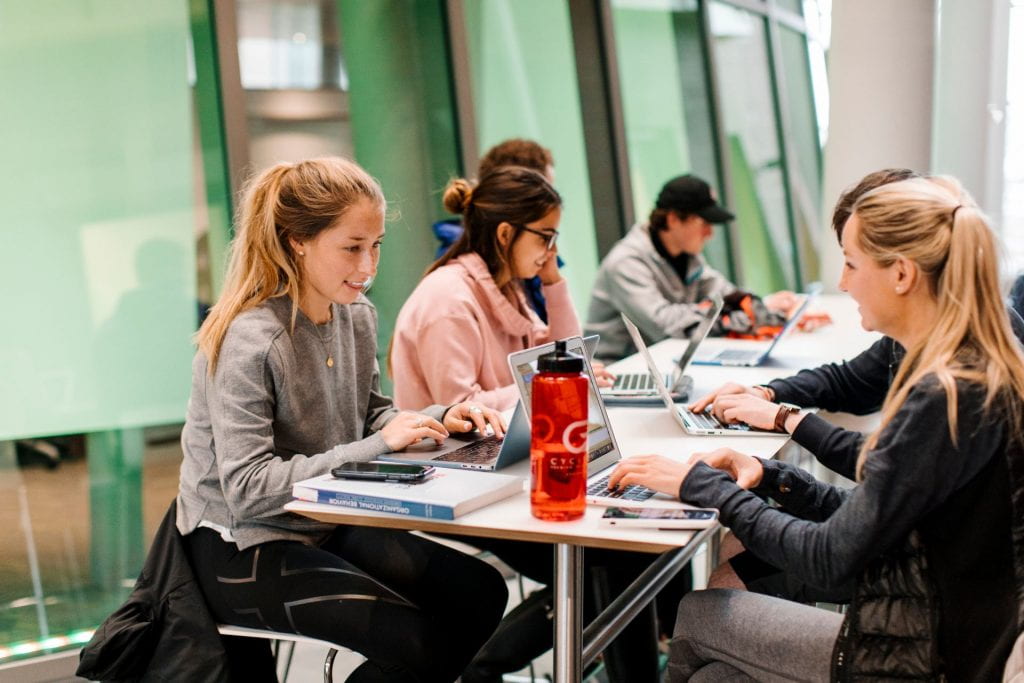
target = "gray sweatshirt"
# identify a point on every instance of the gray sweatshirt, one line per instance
(636, 280)
(274, 413)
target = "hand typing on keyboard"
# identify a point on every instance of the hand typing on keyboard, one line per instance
(667, 476)
(601, 374)
(752, 410)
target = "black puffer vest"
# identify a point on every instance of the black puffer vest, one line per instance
(890, 627)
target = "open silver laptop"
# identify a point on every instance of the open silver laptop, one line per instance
(678, 382)
(757, 353)
(472, 451)
(602, 448)
(701, 424)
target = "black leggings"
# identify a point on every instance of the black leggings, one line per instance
(417, 610)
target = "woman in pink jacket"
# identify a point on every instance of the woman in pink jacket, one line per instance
(469, 312)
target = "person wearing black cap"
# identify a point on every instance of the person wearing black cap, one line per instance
(656, 274)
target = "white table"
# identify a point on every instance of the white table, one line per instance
(638, 430)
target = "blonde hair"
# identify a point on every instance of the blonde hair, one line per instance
(286, 201)
(934, 223)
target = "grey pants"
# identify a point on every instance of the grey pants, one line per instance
(729, 635)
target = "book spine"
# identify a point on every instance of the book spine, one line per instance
(377, 504)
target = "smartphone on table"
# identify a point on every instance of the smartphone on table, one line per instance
(660, 518)
(381, 471)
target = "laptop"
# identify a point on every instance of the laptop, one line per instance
(644, 385)
(472, 451)
(753, 356)
(602, 448)
(699, 424)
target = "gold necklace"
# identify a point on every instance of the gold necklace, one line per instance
(327, 346)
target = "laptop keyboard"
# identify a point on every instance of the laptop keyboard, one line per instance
(634, 493)
(478, 452)
(737, 355)
(709, 421)
(633, 381)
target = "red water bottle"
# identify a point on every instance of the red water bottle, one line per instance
(558, 437)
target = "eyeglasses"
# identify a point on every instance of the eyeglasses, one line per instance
(550, 237)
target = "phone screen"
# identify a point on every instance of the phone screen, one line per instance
(656, 514)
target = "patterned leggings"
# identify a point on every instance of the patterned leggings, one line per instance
(417, 610)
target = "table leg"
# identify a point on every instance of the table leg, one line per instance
(568, 612)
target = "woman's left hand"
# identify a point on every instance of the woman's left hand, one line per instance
(653, 471)
(469, 415)
(602, 375)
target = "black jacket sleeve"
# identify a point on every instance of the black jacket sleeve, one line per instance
(834, 447)
(855, 386)
(914, 467)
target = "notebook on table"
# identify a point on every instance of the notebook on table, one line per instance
(643, 385)
(602, 448)
(757, 353)
(472, 451)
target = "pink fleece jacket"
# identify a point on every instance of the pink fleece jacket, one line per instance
(454, 334)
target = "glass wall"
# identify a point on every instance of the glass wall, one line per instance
(524, 85)
(801, 135)
(753, 153)
(99, 274)
(666, 103)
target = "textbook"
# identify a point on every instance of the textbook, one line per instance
(445, 494)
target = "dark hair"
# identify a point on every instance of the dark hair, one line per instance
(516, 152)
(844, 205)
(658, 219)
(509, 194)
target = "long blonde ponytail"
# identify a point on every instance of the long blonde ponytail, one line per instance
(935, 223)
(296, 201)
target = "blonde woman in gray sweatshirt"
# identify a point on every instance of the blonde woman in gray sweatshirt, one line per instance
(286, 386)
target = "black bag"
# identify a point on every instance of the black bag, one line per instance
(164, 631)
(745, 316)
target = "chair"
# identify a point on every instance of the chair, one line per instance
(277, 636)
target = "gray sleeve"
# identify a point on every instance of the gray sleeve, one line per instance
(381, 407)
(633, 290)
(255, 482)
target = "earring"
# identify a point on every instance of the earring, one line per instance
(899, 290)
(302, 253)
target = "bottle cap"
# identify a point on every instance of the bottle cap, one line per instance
(560, 360)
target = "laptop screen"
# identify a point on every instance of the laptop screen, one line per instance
(701, 330)
(602, 451)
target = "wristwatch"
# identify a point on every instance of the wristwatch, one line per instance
(785, 410)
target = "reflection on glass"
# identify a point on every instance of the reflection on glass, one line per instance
(802, 134)
(98, 268)
(758, 190)
(282, 45)
(665, 101)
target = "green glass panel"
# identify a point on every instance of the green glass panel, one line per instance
(403, 131)
(665, 102)
(745, 90)
(216, 185)
(802, 133)
(524, 85)
(98, 263)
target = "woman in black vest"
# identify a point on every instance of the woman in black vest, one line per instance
(933, 536)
